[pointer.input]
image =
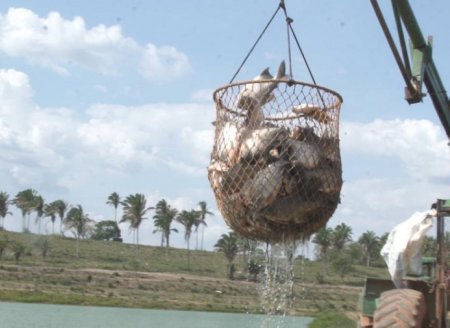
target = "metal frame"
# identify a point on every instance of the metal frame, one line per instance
(443, 210)
(423, 68)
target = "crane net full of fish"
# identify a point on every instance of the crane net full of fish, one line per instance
(275, 165)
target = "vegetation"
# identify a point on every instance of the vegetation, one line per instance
(329, 319)
(202, 220)
(79, 223)
(134, 211)
(108, 273)
(25, 200)
(61, 208)
(51, 210)
(229, 247)
(107, 230)
(218, 281)
(114, 200)
(188, 219)
(43, 245)
(163, 219)
(4, 207)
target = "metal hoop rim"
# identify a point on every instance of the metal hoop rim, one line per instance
(288, 82)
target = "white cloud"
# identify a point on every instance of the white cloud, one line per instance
(420, 145)
(15, 91)
(420, 176)
(162, 64)
(72, 147)
(81, 153)
(379, 204)
(58, 43)
(203, 95)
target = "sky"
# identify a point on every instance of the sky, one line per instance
(116, 96)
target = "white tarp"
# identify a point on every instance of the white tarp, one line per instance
(403, 249)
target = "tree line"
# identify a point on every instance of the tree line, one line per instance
(134, 207)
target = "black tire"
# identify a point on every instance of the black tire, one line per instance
(400, 308)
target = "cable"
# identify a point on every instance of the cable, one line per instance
(254, 45)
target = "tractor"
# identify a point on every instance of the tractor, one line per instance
(423, 301)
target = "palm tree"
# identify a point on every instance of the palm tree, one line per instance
(163, 218)
(134, 210)
(369, 243)
(341, 235)
(246, 246)
(322, 239)
(203, 213)
(4, 204)
(228, 245)
(61, 208)
(39, 208)
(114, 200)
(51, 210)
(25, 201)
(79, 223)
(188, 220)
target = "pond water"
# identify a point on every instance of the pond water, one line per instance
(20, 315)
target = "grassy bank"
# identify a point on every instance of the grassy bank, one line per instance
(330, 319)
(116, 274)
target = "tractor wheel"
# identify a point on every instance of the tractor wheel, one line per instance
(400, 308)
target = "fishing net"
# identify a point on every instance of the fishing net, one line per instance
(275, 165)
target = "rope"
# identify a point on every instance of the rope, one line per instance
(289, 22)
(290, 30)
(254, 45)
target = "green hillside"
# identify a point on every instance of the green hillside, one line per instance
(117, 274)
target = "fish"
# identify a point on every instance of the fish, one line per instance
(226, 147)
(264, 187)
(262, 142)
(304, 134)
(256, 94)
(306, 154)
(290, 209)
(236, 177)
(313, 111)
(216, 170)
(330, 147)
(330, 178)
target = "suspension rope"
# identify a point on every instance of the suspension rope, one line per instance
(290, 30)
(289, 22)
(254, 45)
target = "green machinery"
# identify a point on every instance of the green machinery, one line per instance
(422, 70)
(424, 302)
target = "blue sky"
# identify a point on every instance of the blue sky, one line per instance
(101, 96)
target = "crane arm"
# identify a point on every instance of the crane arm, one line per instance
(423, 69)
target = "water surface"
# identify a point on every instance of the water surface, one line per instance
(20, 315)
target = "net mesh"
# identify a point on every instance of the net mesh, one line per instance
(275, 165)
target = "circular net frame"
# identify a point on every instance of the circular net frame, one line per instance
(275, 165)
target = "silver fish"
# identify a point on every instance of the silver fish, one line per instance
(330, 178)
(313, 111)
(227, 143)
(330, 148)
(306, 154)
(216, 170)
(304, 134)
(264, 187)
(290, 209)
(236, 177)
(255, 95)
(262, 142)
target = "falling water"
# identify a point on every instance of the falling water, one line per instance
(276, 290)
